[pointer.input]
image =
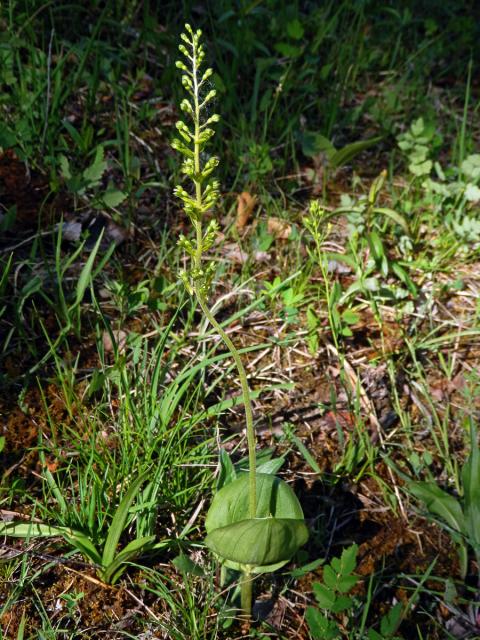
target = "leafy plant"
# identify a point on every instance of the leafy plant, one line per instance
(459, 516)
(291, 298)
(314, 144)
(255, 523)
(332, 596)
(418, 143)
(455, 198)
(81, 183)
(110, 563)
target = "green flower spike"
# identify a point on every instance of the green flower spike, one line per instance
(255, 523)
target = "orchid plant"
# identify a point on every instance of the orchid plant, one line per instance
(255, 523)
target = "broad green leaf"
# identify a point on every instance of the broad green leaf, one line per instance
(74, 538)
(450, 594)
(471, 471)
(186, 565)
(471, 166)
(376, 246)
(341, 257)
(376, 187)
(271, 466)
(440, 503)
(7, 137)
(288, 50)
(347, 153)
(265, 568)
(98, 167)
(394, 216)
(119, 519)
(65, 167)
(472, 193)
(314, 144)
(417, 127)
(420, 169)
(2, 443)
(346, 583)
(113, 197)
(75, 135)
(258, 541)
(330, 577)
(348, 559)
(350, 317)
(324, 595)
(295, 29)
(449, 510)
(403, 276)
(471, 488)
(342, 603)
(307, 568)
(84, 545)
(231, 504)
(321, 628)
(391, 620)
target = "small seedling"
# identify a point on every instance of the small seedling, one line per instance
(255, 523)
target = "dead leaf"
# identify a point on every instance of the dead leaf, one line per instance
(233, 253)
(120, 338)
(52, 465)
(261, 256)
(245, 206)
(442, 389)
(279, 228)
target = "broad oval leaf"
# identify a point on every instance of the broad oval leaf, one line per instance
(231, 504)
(258, 541)
(349, 151)
(450, 512)
(441, 504)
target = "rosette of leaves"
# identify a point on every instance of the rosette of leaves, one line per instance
(255, 523)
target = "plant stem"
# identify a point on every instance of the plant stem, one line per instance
(246, 399)
(246, 591)
(208, 314)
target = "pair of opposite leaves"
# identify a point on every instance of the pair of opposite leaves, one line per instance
(263, 543)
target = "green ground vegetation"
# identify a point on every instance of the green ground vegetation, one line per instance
(344, 266)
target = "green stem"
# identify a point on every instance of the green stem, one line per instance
(198, 184)
(246, 594)
(246, 399)
(208, 314)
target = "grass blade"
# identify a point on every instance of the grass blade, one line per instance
(119, 519)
